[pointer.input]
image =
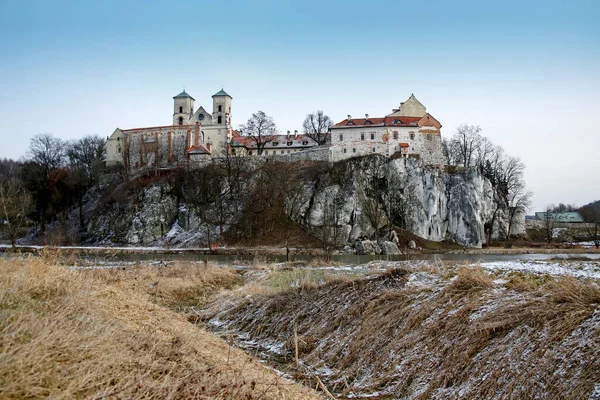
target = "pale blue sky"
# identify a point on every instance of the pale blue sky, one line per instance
(528, 72)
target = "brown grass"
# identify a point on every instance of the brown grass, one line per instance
(469, 279)
(100, 334)
(431, 341)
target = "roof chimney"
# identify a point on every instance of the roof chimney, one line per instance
(349, 116)
(366, 116)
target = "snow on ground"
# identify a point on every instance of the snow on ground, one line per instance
(109, 248)
(580, 269)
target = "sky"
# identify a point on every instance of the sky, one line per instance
(527, 72)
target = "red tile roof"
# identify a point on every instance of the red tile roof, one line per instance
(385, 121)
(198, 150)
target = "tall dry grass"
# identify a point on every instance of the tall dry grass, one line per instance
(103, 334)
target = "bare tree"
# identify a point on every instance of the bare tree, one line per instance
(261, 128)
(464, 145)
(517, 203)
(47, 151)
(549, 222)
(591, 215)
(316, 126)
(87, 154)
(15, 200)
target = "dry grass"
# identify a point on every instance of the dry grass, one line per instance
(467, 336)
(99, 334)
(283, 279)
(469, 280)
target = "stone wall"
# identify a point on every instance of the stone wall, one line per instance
(426, 142)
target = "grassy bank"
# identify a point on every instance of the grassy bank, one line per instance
(436, 332)
(116, 334)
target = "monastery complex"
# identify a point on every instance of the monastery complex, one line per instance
(197, 136)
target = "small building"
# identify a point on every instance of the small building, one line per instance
(274, 145)
(409, 131)
(570, 217)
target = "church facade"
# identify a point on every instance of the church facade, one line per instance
(195, 135)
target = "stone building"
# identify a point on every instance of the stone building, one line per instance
(194, 136)
(274, 145)
(409, 131)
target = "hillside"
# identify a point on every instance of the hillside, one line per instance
(303, 204)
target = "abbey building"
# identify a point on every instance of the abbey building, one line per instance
(409, 131)
(196, 135)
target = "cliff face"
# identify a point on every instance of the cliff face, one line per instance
(430, 203)
(352, 200)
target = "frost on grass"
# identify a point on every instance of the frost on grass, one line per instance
(437, 332)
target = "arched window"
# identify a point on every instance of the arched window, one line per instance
(180, 120)
(180, 109)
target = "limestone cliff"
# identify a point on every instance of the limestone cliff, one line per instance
(353, 199)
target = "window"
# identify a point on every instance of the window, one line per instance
(180, 109)
(180, 120)
(362, 136)
(341, 138)
(395, 135)
(344, 151)
(354, 150)
(429, 136)
(220, 108)
(219, 120)
(412, 136)
(289, 143)
(372, 136)
(373, 149)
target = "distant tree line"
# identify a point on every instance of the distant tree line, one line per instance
(53, 177)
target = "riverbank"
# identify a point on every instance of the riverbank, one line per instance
(118, 334)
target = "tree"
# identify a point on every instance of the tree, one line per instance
(47, 151)
(316, 126)
(204, 193)
(261, 128)
(465, 144)
(46, 155)
(15, 200)
(548, 223)
(591, 215)
(86, 154)
(518, 202)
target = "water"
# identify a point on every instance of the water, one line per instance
(346, 259)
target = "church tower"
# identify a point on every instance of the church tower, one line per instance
(221, 108)
(183, 108)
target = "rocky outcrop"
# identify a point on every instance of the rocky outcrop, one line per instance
(355, 201)
(428, 202)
